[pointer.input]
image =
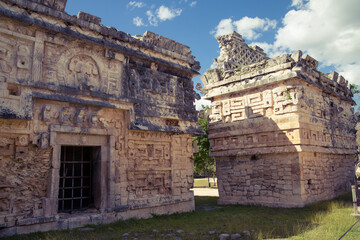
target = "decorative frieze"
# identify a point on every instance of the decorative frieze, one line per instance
(272, 122)
(95, 124)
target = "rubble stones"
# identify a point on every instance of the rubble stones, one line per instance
(224, 236)
(236, 236)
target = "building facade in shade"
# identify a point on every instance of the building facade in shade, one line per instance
(95, 124)
(281, 131)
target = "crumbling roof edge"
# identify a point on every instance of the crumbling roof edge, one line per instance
(292, 76)
(99, 28)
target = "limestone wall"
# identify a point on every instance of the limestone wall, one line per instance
(24, 169)
(325, 176)
(126, 104)
(264, 179)
(281, 131)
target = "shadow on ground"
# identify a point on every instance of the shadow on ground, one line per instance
(251, 222)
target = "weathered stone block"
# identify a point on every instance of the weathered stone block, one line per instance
(55, 4)
(88, 17)
(288, 130)
(75, 94)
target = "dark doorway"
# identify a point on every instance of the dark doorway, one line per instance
(77, 186)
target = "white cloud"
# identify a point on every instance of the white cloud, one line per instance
(297, 3)
(351, 72)
(164, 13)
(192, 4)
(249, 28)
(136, 4)
(213, 66)
(269, 49)
(224, 27)
(153, 21)
(201, 102)
(329, 30)
(138, 21)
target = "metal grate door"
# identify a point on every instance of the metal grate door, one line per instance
(75, 185)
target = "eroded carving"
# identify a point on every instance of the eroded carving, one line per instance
(46, 113)
(83, 72)
(272, 122)
(64, 115)
(6, 146)
(43, 141)
(80, 116)
(93, 119)
(144, 154)
(85, 98)
(150, 183)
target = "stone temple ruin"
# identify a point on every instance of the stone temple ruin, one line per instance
(281, 131)
(95, 125)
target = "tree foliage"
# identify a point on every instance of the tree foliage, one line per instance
(355, 89)
(204, 165)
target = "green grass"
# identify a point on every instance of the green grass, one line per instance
(324, 220)
(203, 182)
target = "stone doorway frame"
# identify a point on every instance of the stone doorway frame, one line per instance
(76, 136)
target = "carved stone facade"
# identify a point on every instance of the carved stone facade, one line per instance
(234, 52)
(95, 125)
(281, 131)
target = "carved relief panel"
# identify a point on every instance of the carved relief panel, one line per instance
(149, 183)
(47, 113)
(146, 154)
(69, 114)
(15, 58)
(85, 69)
(82, 72)
(237, 108)
(149, 162)
(152, 85)
(284, 96)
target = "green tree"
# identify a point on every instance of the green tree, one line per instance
(204, 165)
(355, 89)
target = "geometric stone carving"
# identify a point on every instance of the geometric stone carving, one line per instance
(275, 130)
(90, 112)
(234, 52)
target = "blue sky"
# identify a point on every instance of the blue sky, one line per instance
(328, 30)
